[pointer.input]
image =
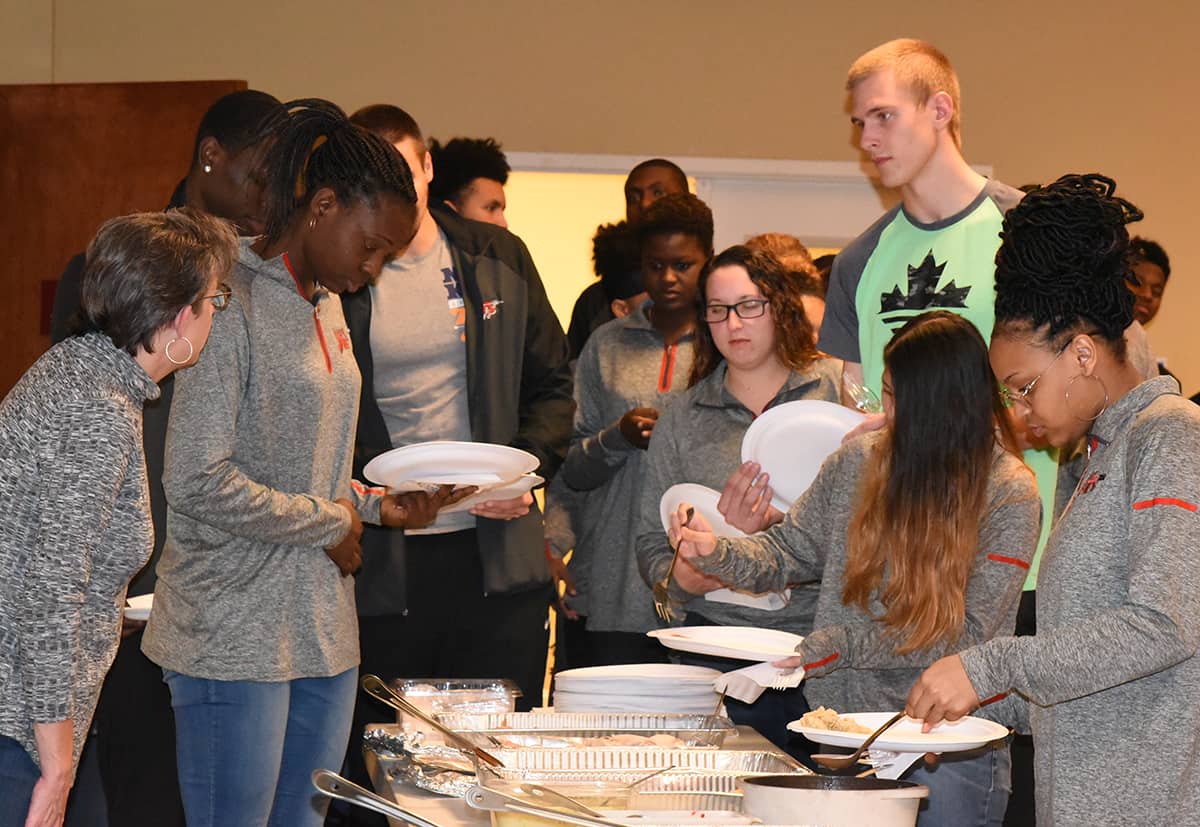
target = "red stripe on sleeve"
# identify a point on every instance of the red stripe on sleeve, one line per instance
(1184, 504)
(808, 667)
(994, 698)
(1013, 561)
(363, 489)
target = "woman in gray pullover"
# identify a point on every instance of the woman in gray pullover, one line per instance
(921, 535)
(1112, 671)
(76, 524)
(254, 621)
(754, 349)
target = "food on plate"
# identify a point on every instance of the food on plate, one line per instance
(824, 718)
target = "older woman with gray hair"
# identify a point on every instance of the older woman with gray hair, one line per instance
(76, 522)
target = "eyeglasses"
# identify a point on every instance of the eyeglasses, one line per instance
(747, 309)
(1010, 397)
(220, 299)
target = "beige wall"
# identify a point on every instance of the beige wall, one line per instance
(1050, 86)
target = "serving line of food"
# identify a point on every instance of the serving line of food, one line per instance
(459, 755)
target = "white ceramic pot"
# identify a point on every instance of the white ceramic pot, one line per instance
(832, 800)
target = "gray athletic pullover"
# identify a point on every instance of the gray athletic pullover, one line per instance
(625, 364)
(699, 439)
(850, 659)
(1112, 672)
(260, 444)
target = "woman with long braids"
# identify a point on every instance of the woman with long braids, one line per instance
(920, 533)
(1112, 671)
(254, 619)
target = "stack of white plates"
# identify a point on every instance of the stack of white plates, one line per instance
(637, 687)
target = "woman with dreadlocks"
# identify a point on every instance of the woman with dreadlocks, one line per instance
(254, 619)
(1112, 670)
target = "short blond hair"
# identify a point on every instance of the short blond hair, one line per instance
(919, 67)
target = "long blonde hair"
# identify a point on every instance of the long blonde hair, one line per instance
(922, 496)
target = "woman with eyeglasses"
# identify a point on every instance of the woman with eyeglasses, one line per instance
(754, 349)
(1112, 671)
(254, 620)
(920, 534)
(76, 523)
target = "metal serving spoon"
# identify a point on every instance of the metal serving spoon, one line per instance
(845, 762)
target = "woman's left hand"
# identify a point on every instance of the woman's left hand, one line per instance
(746, 500)
(504, 509)
(417, 509)
(942, 693)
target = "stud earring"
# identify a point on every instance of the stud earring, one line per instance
(208, 167)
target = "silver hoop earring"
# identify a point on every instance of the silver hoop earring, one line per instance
(185, 359)
(1067, 398)
(208, 167)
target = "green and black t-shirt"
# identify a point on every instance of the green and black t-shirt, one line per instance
(900, 268)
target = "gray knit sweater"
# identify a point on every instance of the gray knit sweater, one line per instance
(624, 365)
(74, 529)
(699, 440)
(850, 659)
(260, 444)
(1112, 672)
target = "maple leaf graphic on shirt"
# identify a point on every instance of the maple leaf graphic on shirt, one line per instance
(923, 292)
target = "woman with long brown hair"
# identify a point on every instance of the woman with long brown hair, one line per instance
(921, 534)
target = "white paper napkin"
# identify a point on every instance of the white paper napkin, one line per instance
(892, 765)
(746, 685)
(769, 602)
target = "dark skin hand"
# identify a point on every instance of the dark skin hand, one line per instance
(417, 509)
(411, 510)
(131, 627)
(347, 555)
(637, 425)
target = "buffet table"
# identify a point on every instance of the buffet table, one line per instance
(454, 811)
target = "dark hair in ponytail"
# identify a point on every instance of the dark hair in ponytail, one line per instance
(316, 147)
(1064, 261)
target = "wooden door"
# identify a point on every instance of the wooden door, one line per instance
(71, 156)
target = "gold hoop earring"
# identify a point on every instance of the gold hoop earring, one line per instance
(184, 360)
(1067, 398)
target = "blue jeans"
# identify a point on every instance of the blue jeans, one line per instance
(965, 789)
(247, 749)
(18, 774)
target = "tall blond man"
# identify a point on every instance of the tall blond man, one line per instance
(934, 250)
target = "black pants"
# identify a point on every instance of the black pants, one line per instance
(135, 742)
(1021, 811)
(449, 631)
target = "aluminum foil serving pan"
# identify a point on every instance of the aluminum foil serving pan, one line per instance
(574, 729)
(698, 779)
(635, 759)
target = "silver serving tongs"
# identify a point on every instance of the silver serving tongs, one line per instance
(483, 798)
(381, 692)
(333, 785)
